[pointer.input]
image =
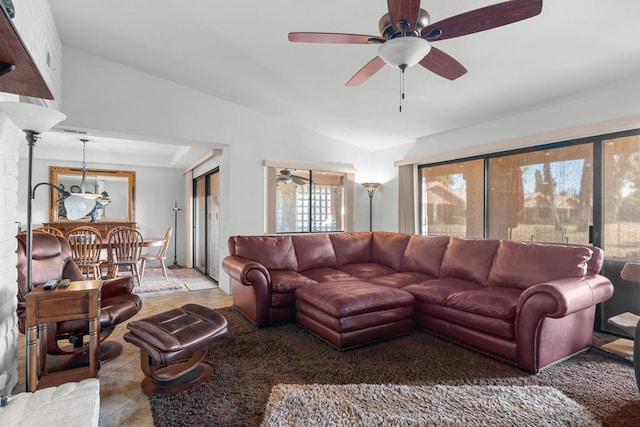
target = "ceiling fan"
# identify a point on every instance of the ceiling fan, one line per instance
(406, 35)
(286, 176)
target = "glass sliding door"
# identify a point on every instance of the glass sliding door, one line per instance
(542, 196)
(199, 224)
(206, 232)
(452, 200)
(621, 223)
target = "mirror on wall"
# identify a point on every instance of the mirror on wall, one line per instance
(118, 184)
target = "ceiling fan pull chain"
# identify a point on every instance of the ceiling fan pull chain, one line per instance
(401, 86)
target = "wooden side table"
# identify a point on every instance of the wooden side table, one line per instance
(81, 300)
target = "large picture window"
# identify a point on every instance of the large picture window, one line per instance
(579, 192)
(307, 199)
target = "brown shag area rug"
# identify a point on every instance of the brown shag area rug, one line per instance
(364, 405)
(249, 362)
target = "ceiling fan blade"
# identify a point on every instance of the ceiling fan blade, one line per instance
(442, 64)
(404, 10)
(298, 180)
(485, 18)
(365, 72)
(339, 38)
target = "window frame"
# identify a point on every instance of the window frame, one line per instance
(597, 230)
(349, 188)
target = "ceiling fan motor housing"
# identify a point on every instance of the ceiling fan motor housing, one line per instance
(386, 28)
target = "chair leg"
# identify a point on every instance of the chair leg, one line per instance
(134, 267)
(142, 265)
(164, 270)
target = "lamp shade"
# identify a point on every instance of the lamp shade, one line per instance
(78, 206)
(371, 187)
(404, 52)
(32, 117)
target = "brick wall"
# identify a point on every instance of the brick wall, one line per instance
(10, 139)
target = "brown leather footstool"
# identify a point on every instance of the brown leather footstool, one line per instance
(352, 313)
(166, 339)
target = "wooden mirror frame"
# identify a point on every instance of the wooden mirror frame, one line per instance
(56, 171)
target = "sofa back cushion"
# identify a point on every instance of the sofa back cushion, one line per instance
(594, 265)
(520, 264)
(352, 248)
(469, 259)
(314, 251)
(388, 248)
(274, 252)
(424, 254)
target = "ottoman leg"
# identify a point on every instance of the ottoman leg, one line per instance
(176, 377)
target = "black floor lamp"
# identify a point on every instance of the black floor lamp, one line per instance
(33, 120)
(371, 188)
(176, 209)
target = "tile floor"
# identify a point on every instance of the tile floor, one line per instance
(122, 402)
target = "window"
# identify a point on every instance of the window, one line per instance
(622, 198)
(581, 192)
(308, 200)
(542, 196)
(451, 197)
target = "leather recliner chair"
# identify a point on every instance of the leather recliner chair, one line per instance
(52, 259)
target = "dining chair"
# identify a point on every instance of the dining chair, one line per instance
(125, 250)
(50, 230)
(86, 247)
(160, 256)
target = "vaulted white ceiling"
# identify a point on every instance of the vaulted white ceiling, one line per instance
(238, 51)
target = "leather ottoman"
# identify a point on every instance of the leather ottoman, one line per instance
(352, 313)
(166, 339)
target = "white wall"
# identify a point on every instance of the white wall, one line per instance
(106, 96)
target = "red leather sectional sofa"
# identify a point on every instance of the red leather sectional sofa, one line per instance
(529, 304)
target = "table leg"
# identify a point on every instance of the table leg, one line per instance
(94, 347)
(42, 348)
(32, 358)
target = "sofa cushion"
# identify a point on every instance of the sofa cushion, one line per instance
(327, 275)
(400, 280)
(388, 248)
(284, 281)
(274, 252)
(491, 302)
(424, 254)
(314, 251)
(438, 290)
(520, 265)
(343, 299)
(469, 259)
(367, 271)
(352, 248)
(503, 328)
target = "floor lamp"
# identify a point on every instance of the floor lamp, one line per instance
(371, 188)
(176, 209)
(33, 120)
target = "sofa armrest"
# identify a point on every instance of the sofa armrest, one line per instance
(243, 270)
(556, 299)
(562, 297)
(251, 288)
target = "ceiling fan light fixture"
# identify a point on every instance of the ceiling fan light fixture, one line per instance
(404, 52)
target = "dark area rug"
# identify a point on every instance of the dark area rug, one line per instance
(250, 361)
